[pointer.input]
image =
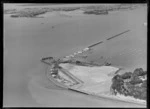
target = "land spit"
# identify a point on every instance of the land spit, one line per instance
(94, 81)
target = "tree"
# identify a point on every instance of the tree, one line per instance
(135, 80)
(139, 72)
(117, 84)
(144, 84)
(126, 75)
(135, 87)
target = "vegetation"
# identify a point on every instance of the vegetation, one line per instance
(10, 11)
(28, 13)
(126, 75)
(135, 86)
(96, 12)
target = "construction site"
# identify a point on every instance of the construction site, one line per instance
(73, 73)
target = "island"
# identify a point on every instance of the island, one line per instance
(96, 10)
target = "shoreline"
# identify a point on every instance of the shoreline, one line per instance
(87, 10)
(113, 97)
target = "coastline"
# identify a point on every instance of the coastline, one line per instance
(27, 40)
(98, 9)
(107, 96)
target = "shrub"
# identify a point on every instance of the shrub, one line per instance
(144, 84)
(135, 81)
(126, 75)
(135, 87)
(139, 72)
(117, 83)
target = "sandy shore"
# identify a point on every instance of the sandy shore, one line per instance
(97, 80)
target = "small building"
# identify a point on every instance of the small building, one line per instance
(85, 49)
(54, 71)
(79, 52)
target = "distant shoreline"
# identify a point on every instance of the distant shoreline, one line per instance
(93, 9)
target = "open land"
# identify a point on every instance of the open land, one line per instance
(60, 32)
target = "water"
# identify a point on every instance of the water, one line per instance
(27, 40)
